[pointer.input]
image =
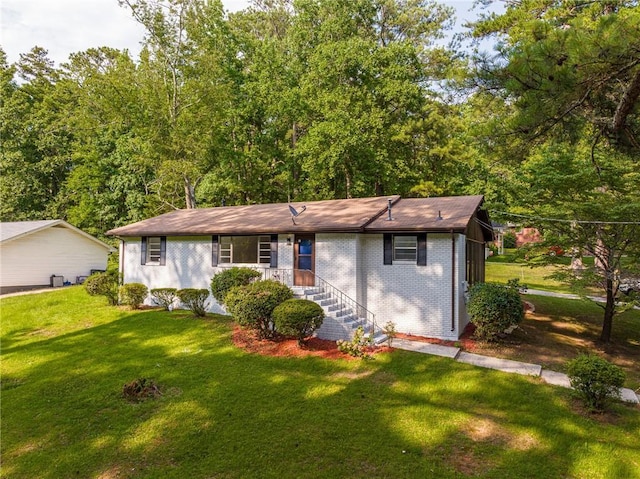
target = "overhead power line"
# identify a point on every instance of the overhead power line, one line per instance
(561, 220)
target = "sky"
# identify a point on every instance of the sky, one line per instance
(63, 27)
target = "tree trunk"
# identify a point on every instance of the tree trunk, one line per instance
(609, 311)
(189, 194)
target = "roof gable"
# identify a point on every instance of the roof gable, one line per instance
(12, 231)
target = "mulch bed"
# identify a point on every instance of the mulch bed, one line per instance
(247, 340)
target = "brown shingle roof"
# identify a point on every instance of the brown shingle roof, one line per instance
(351, 215)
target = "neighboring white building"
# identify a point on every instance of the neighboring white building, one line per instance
(366, 260)
(31, 252)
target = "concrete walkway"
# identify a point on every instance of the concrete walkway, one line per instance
(506, 365)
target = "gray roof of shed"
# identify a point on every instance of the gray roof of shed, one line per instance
(348, 215)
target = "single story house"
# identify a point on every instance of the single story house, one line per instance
(367, 260)
(37, 254)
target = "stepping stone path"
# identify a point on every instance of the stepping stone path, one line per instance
(506, 365)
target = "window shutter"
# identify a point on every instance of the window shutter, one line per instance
(143, 250)
(163, 250)
(274, 251)
(422, 249)
(214, 250)
(388, 248)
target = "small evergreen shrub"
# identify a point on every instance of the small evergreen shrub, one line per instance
(358, 345)
(164, 297)
(103, 284)
(252, 305)
(298, 318)
(140, 389)
(493, 308)
(133, 294)
(195, 300)
(222, 282)
(595, 380)
(509, 240)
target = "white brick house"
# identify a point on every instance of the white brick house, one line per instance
(409, 261)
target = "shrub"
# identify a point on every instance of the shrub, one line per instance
(252, 305)
(195, 300)
(133, 294)
(390, 332)
(595, 380)
(103, 284)
(358, 345)
(298, 318)
(164, 297)
(222, 282)
(493, 308)
(509, 240)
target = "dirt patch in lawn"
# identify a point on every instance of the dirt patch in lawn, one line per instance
(248, 340)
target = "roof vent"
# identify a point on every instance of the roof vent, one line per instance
(389, 218)
(439, 218)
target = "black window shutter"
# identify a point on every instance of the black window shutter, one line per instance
(388, 248)
(143, 250)
(422, 249)
(214, 250)
(274, 251)
(163, 250)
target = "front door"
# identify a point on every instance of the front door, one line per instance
(304, 260)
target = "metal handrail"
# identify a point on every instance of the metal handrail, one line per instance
(285, 276)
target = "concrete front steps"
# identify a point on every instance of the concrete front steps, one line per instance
(340, 320)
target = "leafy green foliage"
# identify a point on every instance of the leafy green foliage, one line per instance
(133, 294)
(252, 305)
(596, 380)
(194, 299)
(358, 345)
(298, 318)
(222, 282)
(493, 308)
(164, 297)
(390, 332)
(103, 284)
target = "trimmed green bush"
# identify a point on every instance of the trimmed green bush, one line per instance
(493, 308)
(164, 297)
(298, 318)
(595, 380)
(103, 284)
(133, 294)
(509, 240)
(252, 305)
(195, 300)
(222, 282)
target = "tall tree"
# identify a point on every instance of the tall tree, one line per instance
(569, 75)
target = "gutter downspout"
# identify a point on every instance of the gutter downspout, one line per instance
(453, 281)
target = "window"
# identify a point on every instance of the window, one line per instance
(153, 250)
(405, 248)
(245, 249)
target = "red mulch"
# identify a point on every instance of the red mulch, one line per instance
(247, 339)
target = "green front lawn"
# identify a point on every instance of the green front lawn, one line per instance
(534, 278)
(226, 413)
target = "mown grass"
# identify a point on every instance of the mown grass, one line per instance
(560, 329)
(533, 277)
(226, 413)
